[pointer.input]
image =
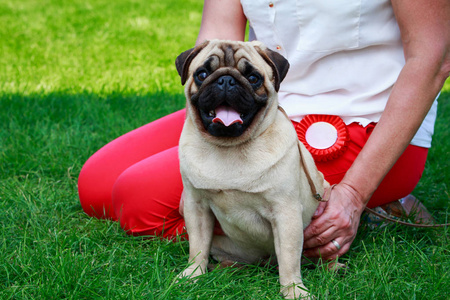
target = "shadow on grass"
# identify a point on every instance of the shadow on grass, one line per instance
(55, 133)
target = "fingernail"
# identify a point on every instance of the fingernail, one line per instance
(318, 211)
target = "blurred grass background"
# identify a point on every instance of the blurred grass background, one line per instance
(76, 74)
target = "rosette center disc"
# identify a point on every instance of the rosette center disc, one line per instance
(321, 135)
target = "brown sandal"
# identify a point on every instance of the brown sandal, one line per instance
(407, 208)
(410, 208)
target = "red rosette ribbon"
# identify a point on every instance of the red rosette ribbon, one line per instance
(325, 136)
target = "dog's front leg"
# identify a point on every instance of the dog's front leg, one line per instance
(200, 225)
(288, 240)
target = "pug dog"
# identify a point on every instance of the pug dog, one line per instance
(241, 162)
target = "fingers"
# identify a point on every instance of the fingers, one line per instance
(320, 239)
(338, 220)
(327, 219)
(320, 209)
(322, 230)
(329, 251)
(322, 245)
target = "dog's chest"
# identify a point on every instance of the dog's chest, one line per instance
(215, 177)
(244, 216)
(232, 169)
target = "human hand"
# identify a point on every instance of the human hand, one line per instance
(338, 220)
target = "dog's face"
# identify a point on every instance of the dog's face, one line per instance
(230, 86)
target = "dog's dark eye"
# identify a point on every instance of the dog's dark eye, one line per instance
(201, 76)
(253, 79)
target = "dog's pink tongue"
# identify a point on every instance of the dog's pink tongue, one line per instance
(227, 116)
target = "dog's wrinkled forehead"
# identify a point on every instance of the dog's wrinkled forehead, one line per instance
(217, 54)
(227, 55)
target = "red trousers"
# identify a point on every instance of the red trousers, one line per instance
(135, 179)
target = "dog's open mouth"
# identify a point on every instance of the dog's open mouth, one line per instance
(226, 121)
(226, 115)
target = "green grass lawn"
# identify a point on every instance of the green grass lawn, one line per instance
(76, 74)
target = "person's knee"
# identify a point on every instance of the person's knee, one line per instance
(131, 199)
(124, 201)
(94, 193)
(84, 189)
(144, 207)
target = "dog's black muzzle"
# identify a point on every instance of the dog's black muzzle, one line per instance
(230, 93)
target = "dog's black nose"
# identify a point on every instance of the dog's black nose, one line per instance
(226, 82)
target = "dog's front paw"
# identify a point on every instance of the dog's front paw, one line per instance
(191, 272)
(295, 291)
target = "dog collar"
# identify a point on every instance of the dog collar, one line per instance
(325, 136)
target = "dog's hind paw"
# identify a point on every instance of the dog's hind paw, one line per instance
(336, 266)
(225, 264)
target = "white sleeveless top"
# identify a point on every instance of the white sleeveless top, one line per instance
(345, 57)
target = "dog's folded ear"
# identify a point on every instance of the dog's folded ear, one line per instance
(184, 60)
(278, 62)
